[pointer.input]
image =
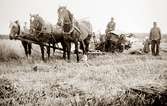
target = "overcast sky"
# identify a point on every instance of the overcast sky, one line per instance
(130, 15)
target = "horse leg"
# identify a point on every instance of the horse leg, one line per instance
(87, 41)
(25, 47)
(29, 48)
(83, 46)
(76, 51)
(64, 50)
(53, 47)
(48, 51)
(86, 46)
(68, 50)
(42, 52)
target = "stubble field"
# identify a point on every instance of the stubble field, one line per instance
(105, 80)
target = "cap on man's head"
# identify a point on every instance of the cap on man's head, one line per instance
(112, 18)
(17, 21)
(154, 23)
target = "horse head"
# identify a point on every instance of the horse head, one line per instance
(14, 30)
(60, 15)
(65, 19)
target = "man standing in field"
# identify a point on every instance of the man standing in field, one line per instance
(155, 37)
(110, 27)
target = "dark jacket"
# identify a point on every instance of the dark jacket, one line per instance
(155, 34)
(110, 26)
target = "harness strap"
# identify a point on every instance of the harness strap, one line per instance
(77, 29)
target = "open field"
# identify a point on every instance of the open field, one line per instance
(103, 82)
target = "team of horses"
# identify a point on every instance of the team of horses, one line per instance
(40, 31)
(64, 32)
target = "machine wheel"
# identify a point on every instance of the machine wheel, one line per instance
(121, 48)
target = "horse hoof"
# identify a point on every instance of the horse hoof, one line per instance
(44, 61)
(64, 58)
(68, 61)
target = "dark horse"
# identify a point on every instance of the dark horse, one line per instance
(45, 33)
(15, 30)
(74, 32)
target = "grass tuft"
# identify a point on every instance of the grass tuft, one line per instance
(7, 54)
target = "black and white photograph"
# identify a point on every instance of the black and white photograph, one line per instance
(83, 52)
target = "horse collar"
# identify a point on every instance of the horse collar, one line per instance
(70, 32)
